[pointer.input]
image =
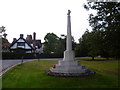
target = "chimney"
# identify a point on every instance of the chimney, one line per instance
(34, 40)
(29, 37)
(21, 35)
(14, 39)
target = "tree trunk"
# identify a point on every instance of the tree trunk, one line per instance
(92, 57)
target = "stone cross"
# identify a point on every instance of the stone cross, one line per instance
(68, 66)
(69, 12)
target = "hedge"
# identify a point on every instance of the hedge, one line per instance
(11, 55)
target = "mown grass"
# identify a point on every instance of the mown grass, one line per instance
(32, 75)
(95, 59)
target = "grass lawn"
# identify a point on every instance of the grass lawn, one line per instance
(95, 58)
(32, 75)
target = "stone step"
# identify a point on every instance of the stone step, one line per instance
(69, 63)
(71, 67)
(67, 70)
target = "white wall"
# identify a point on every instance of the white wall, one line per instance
(20, 40)
(14, 46)
(27, 46)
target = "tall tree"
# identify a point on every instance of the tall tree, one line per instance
(81, 49)
(61, 45)
(55, 44)
(51, 41)
(107, 20)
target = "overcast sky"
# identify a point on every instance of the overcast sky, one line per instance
(42, 17)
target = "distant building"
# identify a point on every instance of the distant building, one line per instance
(27, 45)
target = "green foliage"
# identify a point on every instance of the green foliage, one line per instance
(32, 75)
(4, 40)
(55, 45)
(81, 48)
(60, 48)
(90, 44)
(50, 43)
(104, 38)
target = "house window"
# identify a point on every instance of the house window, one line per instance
(21, 44)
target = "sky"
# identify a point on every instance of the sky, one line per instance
(42, 17)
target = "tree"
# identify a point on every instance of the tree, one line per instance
(50, 44)
(92, 44)
(2, 32)
(95, 45)
(55, 44)
(61, 45)
(107, 20)
(4, 40)
(3, 36)
(81, 49)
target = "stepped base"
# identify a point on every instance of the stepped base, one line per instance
(69, 74)
(69, 67)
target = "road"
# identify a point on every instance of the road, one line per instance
(4, 64)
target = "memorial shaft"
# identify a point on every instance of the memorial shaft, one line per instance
(69, 37)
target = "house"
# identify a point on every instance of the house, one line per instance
(21, 45)
(27, 45)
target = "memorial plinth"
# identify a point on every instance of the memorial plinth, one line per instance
(68, 66)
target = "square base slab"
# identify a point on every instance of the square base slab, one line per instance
(69, 65)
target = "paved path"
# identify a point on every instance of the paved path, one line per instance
(4, 64)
